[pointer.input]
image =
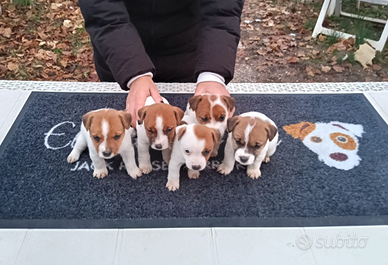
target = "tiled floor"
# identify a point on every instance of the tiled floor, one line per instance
(330, 245)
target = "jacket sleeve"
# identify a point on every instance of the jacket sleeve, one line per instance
(116, 39)
(218, 37)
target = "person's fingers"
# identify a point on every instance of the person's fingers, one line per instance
(155, 94)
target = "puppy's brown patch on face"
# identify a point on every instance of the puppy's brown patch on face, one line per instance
(300, 130)
(219, 113)
(118, 122)
(211, 137)
(170, 115)
(258, 135)
(202, 109)
(344, 141)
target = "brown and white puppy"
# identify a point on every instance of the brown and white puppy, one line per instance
(156, 128)
(209, 110)
(106, 133)
(192, 146)
(252, 139)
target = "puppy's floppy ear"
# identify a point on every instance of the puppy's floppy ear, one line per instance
(299, 130)
(271, 130)
(142, 113)
(87, 120)
(126, 119)
(178, 115)
(229, 101)
(181, 132)
(232, 123)
(216, 135)
(193, 102)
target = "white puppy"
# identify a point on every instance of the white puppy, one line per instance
(192, 146)
(156, 128)
(106, 133)
(252, 139)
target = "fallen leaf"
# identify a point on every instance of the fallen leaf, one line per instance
(315, 53)
(3, 68)
(29, 14)
(67, 23)
(293, 60)
(13, 66)
(338, 69)
(376, 67)
(7, 33)
(322, 37)
(326, 69)
(309, 71)
(365, 54)
(368, 79)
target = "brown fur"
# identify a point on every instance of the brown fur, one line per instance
(118, 122)
(260, 133)
(211, 137)
(171, 116)
(201, 105)
(181, 132)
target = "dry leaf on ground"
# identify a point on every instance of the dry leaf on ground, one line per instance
(365, 54)
(338, 69)
(12, 66)
(326, 69)
(293, 60)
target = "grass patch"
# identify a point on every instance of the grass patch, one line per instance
(310, 24)
(23, 2)
(351, 58)
(333, 38)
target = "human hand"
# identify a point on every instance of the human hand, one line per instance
(140, 90)
(216, 88)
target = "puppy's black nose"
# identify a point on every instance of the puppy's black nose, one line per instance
(106, 153)
(244, 159)
(158, 146)
(196, 167)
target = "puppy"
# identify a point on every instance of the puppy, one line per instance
(335, 143)
(156, 128)
(209, 110)
(192, 146)
(106, 133)
(252, 140)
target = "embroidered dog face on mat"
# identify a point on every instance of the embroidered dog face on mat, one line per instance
(335, 143)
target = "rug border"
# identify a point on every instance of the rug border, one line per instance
(186, 222)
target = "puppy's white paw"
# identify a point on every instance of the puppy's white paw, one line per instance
(193, 174)
(145, 168)
(134, 173)
(253, 173)
(100, 173)
(74, 156)
(172, 185)
(224, 169)
(266, 159)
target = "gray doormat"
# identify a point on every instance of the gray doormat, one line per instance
(299, 187)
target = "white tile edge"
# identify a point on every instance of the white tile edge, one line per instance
(376, 106)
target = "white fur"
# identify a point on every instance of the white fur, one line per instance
(179, 157)
(190, 116)
(253, 163)
(328, 146)
(144, 143)
(126, 151)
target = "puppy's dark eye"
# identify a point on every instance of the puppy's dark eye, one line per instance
(187, 151)
(117, 137)
(238, 141)
(168, 130)
(96, 138)
(206, 152)
(222, 118)
(257, 146)
(150, 130)
(204, 119)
